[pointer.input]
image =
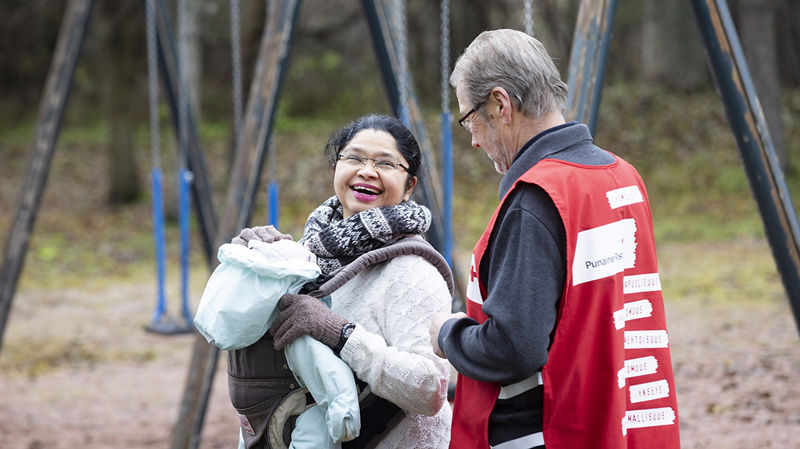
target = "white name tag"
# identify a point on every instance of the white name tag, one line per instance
(649, 391)
(650, 417)
(639, 283)
(646, 339)
(632, 311)
(641, 366)
(624, 196)
(604, 251)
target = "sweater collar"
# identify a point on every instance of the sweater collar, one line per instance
(541, 146)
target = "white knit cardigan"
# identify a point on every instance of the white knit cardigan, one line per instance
(392, 304)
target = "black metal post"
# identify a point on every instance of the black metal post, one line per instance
(749, 127)
(51, 113)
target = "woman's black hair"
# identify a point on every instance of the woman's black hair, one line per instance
(406, 143)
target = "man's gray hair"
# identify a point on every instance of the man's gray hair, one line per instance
(516, 62)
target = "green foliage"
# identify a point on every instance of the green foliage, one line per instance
(685, 152)
(320, 84)
(737, 271)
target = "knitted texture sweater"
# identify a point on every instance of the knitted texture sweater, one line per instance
(392, 304)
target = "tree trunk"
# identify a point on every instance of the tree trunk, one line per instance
(121, 37)
(670, 49)
(757, 33)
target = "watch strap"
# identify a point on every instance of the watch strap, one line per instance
(347, 329)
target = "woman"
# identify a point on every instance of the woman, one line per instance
(378, 321)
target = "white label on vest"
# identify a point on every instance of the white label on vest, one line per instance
(649, 391)
(624, 196)
(473, 288)
(604, 251)
(650, 417)
(641, 366)
(632, 311)
(639, 283)
(646, 339)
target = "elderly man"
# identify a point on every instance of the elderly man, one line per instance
(564, 342)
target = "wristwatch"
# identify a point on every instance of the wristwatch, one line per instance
(347, 329)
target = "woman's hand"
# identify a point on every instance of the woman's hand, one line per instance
(266, 234)
(304, 314)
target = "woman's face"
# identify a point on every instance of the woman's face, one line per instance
(373, 183)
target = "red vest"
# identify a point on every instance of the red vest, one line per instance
(608, 380)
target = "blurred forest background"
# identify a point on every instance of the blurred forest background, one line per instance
(659, 109)
(88, 284)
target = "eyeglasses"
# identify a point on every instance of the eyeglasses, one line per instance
(381, 165)
(466, 124)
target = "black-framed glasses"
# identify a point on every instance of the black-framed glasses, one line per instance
(462, 121)
(381, 165)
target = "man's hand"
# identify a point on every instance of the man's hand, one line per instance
(304, 314)
(266, 234)
(436, 323)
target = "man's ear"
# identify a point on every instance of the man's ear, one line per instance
(410, 188)
(505, 106)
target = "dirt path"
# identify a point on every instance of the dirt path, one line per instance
(78, 371)
(737, 369)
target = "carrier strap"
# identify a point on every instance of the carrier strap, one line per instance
(403, 247)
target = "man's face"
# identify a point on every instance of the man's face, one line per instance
(485, 134)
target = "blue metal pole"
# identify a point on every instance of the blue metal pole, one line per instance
(184, 181)
(158, 235)
(447, 186)
(274, 206)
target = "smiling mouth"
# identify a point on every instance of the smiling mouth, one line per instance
(365, 190)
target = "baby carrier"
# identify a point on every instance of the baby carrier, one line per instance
(264, 392)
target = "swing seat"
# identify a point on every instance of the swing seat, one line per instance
(169, 325)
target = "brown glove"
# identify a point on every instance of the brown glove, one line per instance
(266, 234)
(304, 314)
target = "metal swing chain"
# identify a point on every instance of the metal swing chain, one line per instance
(272, 185)
(183, 103)
(152, 78)
(270, 9)
(402, 84)
(529, 17)
(236, 63)
(445, 54)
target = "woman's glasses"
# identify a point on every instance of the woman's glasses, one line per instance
(381, 165)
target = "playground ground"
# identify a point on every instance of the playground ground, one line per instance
(77, 369)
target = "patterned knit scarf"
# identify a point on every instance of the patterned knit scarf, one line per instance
(337, 241)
